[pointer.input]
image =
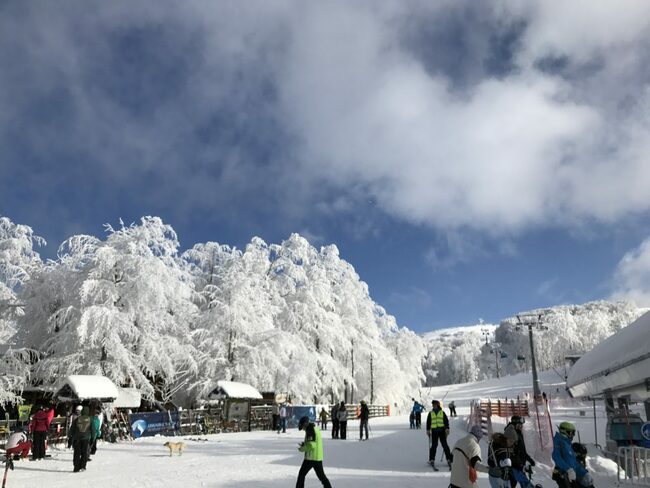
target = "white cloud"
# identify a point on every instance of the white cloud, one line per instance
(632, 277)
(362, 111)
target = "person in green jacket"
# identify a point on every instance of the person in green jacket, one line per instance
(313, 449)
(97, 430)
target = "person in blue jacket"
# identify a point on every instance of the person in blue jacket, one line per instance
(568, 472)
(417, 411)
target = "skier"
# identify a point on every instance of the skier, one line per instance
(520, 456)
(438, 430)
(500, 450)
(568, 471)
(467, 454)
(18, 445)
(343, 420)
(417, 411)
(73, 416)
(275, 415)
(313, 449)
(364, 414)
(335, 421)
(452, 409)
(96, 431)
(323, 419)
(38, 427)
(282, 426)
(81, 433)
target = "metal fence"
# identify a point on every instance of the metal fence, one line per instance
(506, 408)
(633, 467)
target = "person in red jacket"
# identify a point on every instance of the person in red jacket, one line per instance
(39, 426)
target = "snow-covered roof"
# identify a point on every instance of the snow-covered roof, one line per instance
(127, 398)
(233, 389)
(620, 363)
(87, 387)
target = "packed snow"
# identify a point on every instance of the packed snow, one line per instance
(394, 456)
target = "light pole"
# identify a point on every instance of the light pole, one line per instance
(497, 352)
(530, 321)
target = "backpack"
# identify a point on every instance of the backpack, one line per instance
(83, 424)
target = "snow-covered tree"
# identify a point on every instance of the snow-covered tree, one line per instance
(18, 261)
(121, 307)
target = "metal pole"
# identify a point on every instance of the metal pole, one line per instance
(595, 424)
(496, 359)
(537, 393)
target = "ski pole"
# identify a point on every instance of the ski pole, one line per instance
(8, 464)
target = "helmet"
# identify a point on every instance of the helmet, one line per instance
(567, 429)
(302, 423)
(517, 419)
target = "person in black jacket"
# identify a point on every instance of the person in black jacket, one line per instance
(438, 430)
(520, 456)
(81, 433)
(364, 414)
(335, 420)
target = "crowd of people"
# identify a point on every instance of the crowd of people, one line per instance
(83, 431)
(508, 461)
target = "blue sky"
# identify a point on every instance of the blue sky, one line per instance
(470, 159)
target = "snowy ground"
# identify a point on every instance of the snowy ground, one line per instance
(395, 456)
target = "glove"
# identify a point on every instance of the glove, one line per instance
(571, 475)
(505, 463)
(586, 480)
(446, 432)
(531, 461)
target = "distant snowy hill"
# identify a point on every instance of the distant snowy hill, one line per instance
(476, 352)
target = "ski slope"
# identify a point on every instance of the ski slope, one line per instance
(395, 456)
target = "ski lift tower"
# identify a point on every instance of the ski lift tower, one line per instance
(531, 321)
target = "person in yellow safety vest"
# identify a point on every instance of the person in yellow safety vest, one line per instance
(313, 449)
(438, 430)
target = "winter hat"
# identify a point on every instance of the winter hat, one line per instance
(78, 408)
(477, 431)
(511, 435)
(304, 420)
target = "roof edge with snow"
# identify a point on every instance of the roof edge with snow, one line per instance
(87, 387)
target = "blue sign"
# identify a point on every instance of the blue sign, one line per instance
(152, 423)
(296, 412)
(645, 430)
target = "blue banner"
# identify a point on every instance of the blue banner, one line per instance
(152, 423)
(295, 412)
